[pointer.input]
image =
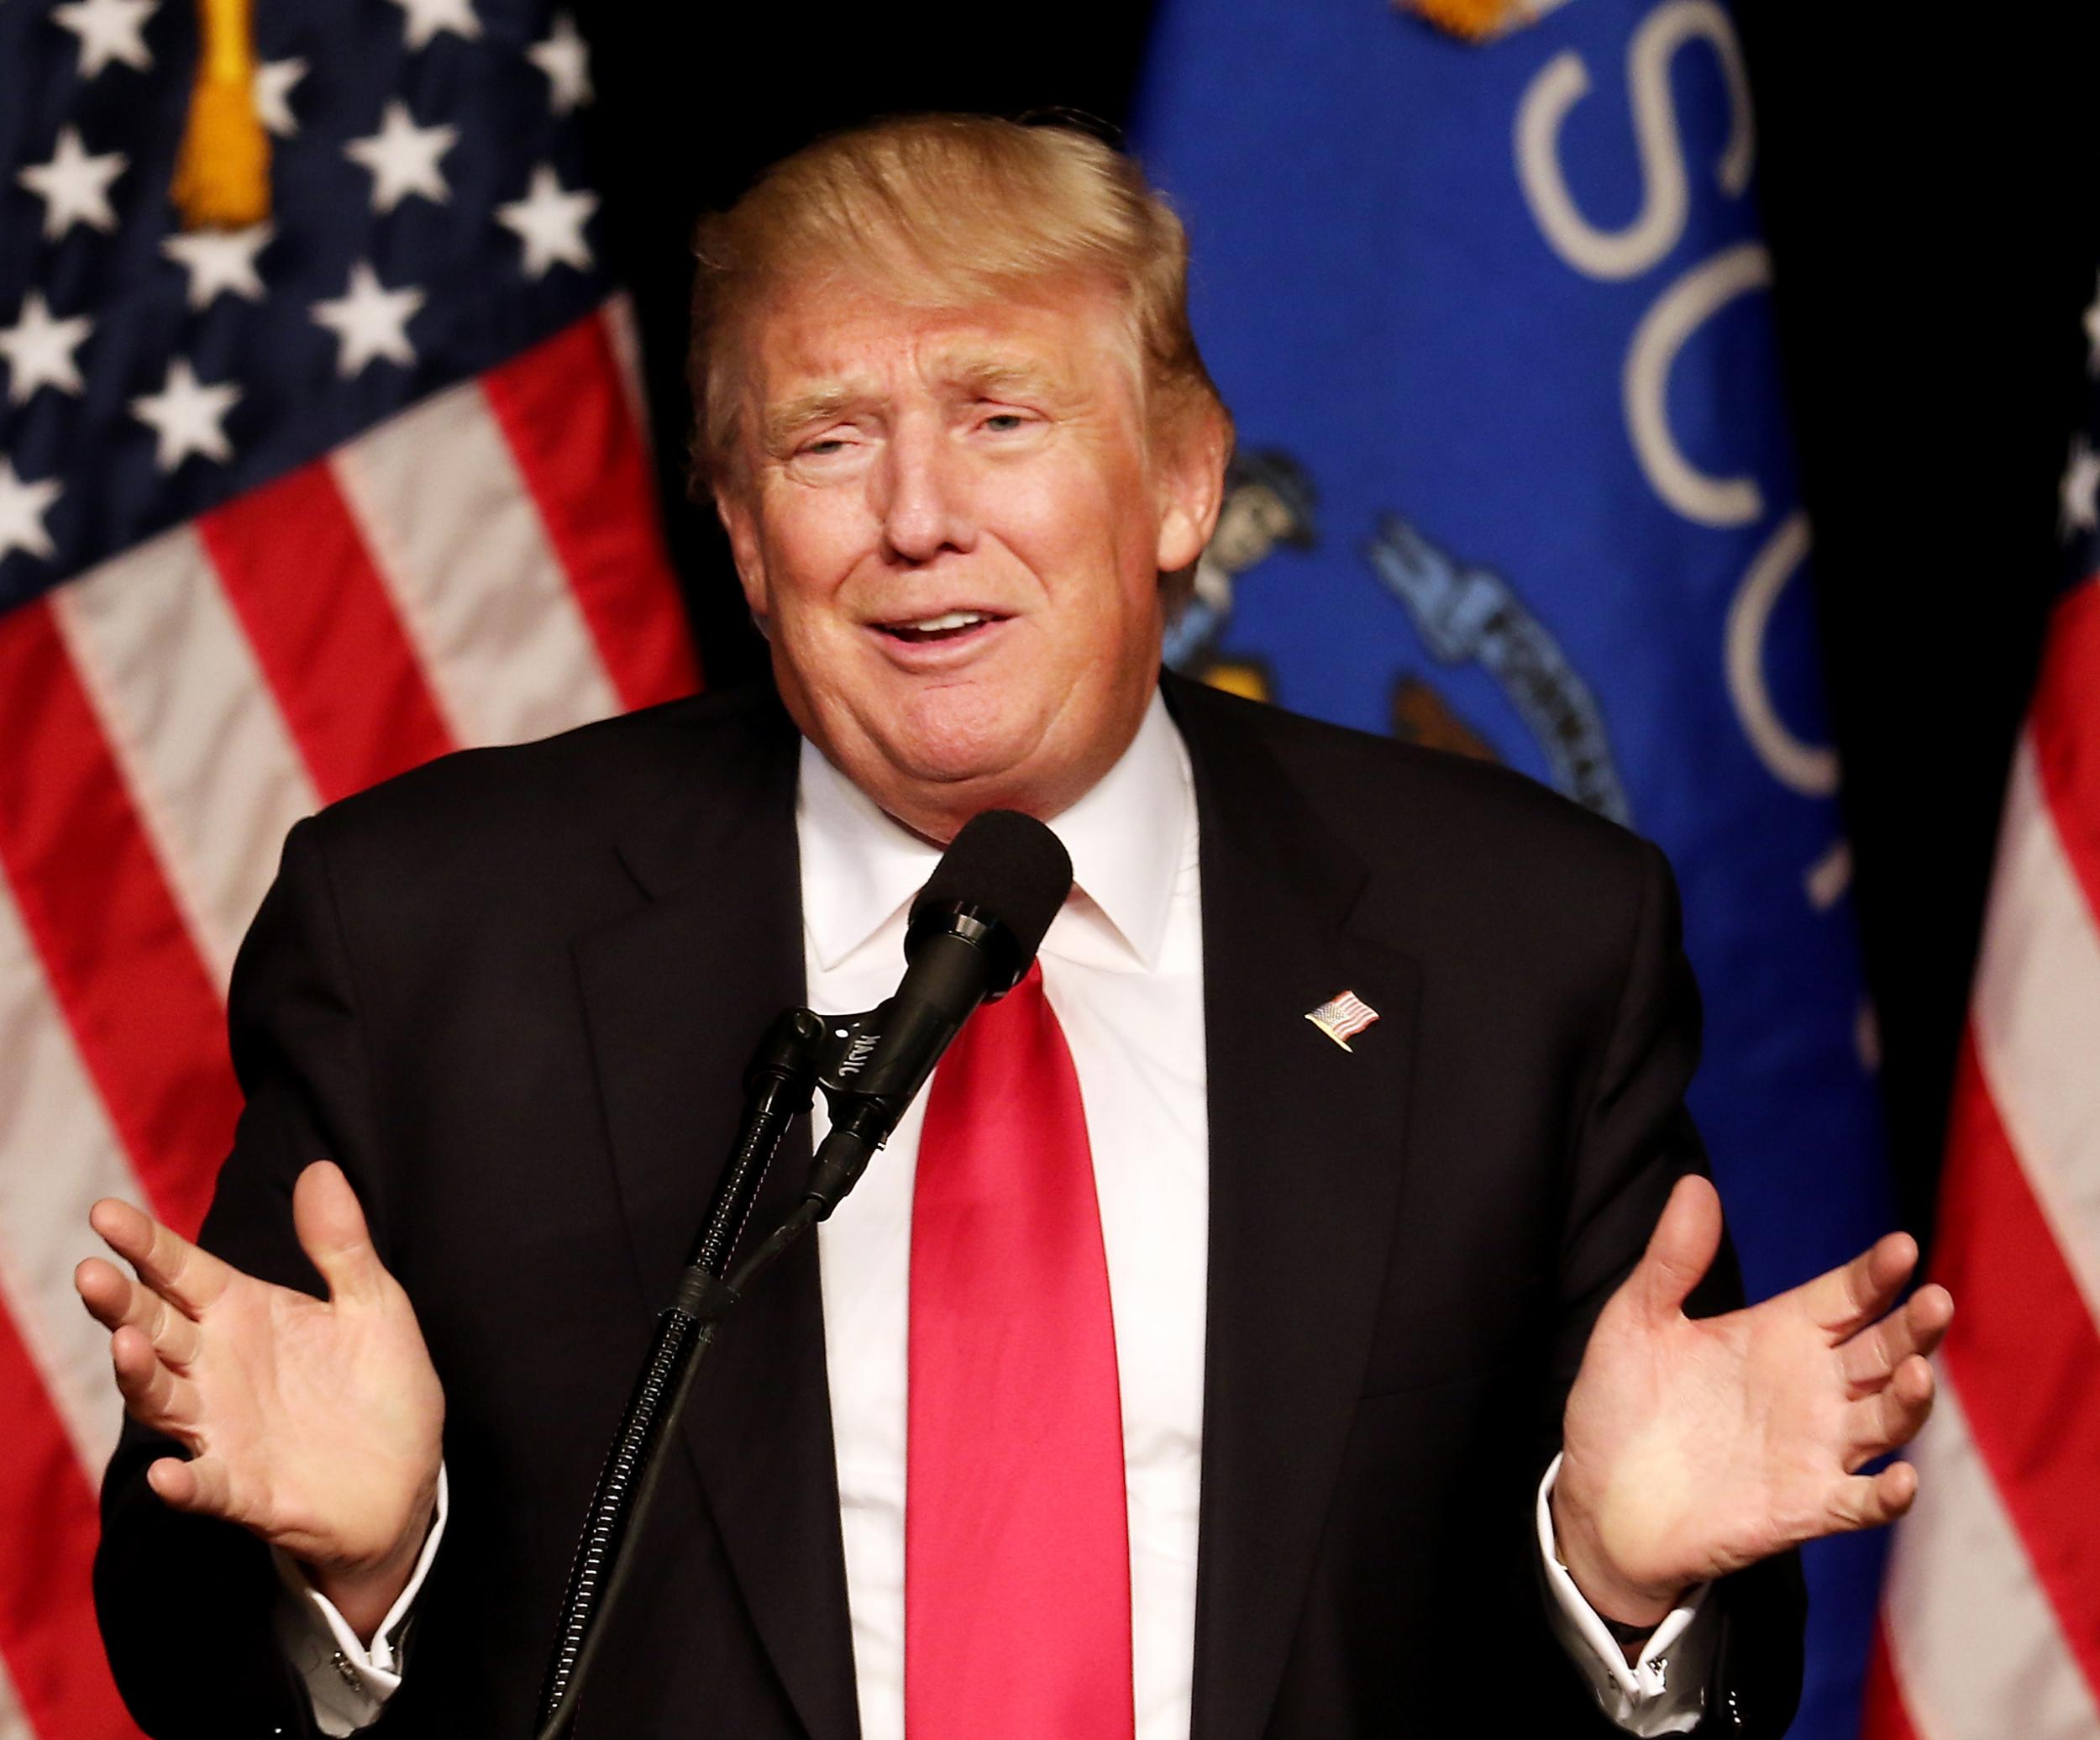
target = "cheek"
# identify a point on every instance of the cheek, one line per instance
(808, 553)
(1093, 546)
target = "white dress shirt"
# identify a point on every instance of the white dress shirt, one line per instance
(1122, 966)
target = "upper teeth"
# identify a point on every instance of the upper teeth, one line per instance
(953, 619)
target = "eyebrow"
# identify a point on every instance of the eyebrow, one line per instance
(986, 373)
(814, 404)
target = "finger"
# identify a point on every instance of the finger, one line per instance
(202, 1484)
(1870, 1500)
(1841, 1301)
(1681, 1248)
(167, 1262)
(330, 1222)
(113, 1300)
(1870, 1356)
(105, 1290)
(1891, 1418)
(153, 1396)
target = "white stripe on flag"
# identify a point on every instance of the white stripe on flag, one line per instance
(13, 1724)
(2036, 1011)
(212, 768)
(460, 543)
(62, 1154)
(1971, 1638)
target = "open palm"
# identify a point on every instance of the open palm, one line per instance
(315, 1424)
(1693, 1446)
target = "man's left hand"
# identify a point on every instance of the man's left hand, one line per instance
(1693, 1446)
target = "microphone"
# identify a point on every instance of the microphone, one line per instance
(973, 931)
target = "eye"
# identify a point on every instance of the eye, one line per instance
(830, 445)
(1006, 422)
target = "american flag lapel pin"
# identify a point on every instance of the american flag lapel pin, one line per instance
(1343, 1018)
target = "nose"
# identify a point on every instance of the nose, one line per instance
(925, 506)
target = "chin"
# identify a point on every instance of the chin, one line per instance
(954, 735)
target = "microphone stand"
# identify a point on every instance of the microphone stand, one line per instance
(800, 1052)
(779, 1087)
(958, 954)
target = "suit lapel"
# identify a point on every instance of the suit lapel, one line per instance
(677, 995)
(1305, 1178)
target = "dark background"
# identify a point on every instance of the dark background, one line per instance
(1933, 212)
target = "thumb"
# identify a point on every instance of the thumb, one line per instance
(330, 1224)
(1680, 1250)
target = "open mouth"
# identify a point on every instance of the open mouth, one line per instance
(932, 630)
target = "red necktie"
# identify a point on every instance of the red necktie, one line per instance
(1016, 1539)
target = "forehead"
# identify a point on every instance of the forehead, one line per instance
(836, 337)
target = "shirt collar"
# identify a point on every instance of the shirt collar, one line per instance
(860, 867)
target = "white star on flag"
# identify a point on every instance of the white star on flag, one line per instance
(566, 61)
(423, 20)
(403, 158)
(39, 350)
(187, 416)
(272, 89)
(370, 321)
(2081, 480)
(73, 186)
(23, 507)
(220, 260)
(550, 223)
(108, 30)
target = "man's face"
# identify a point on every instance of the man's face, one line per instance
(951, 526)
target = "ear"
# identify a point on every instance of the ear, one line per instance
(1191, 485)
(739, 519)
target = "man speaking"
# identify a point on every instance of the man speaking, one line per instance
(1184, 1365)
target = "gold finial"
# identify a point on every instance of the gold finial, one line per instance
(1471, 20)
(222, 175)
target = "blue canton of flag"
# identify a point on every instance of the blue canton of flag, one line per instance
(430, 219)
(1514, 480)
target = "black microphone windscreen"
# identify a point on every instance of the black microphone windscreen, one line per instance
(1009, 864)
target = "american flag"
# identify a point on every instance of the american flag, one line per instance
(283, 511)
(1990, 1622)
(1343, 1018)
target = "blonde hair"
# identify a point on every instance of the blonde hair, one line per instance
(943, 211)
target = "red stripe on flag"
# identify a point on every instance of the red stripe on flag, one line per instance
(313, 604)
(2066, 727)
(92, 896)
(1883, 1715)
(2022, 1351)
(562, 409)
(47, 1612)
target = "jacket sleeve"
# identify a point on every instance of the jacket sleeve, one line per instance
(1630, 1140)
(166, 1583)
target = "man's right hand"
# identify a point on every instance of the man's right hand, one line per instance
(316, 1425)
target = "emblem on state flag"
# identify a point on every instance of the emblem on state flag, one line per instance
(1343, 1018)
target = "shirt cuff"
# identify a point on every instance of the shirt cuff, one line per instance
(349, 1681)
(1664, 1691)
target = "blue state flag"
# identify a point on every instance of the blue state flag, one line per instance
(1514, 479)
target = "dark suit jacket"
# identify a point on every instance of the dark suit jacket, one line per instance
(513, 992)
